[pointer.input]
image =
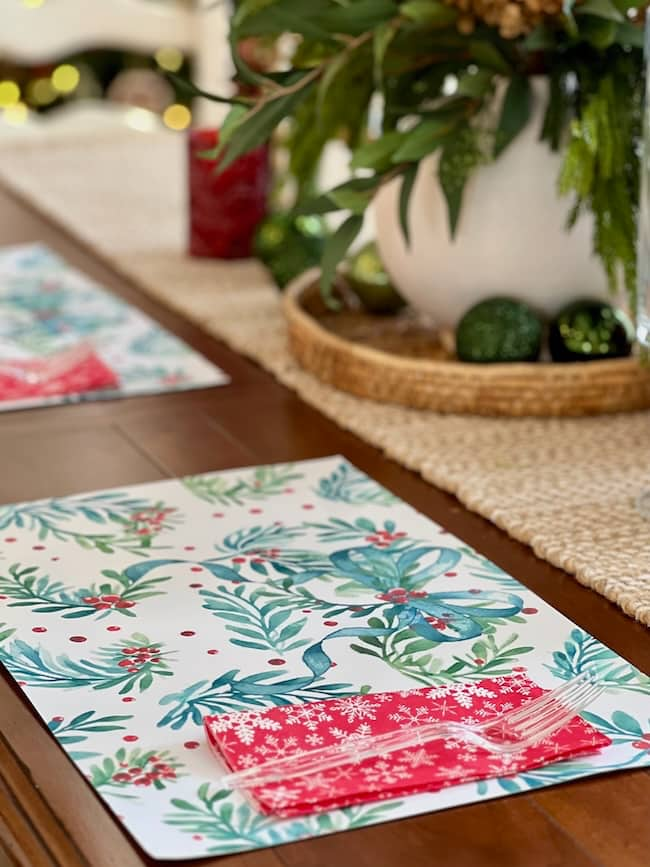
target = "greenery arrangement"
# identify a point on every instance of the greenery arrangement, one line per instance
(436, 66)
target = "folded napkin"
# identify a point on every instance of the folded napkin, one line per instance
(73, 371)
(247, 738)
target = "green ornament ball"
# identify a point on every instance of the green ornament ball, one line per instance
(499, 330)
(369, 280)
(289, 245)
(590, 330)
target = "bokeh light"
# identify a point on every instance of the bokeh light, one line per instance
(41, 92)
(33, 4)
(9, 93)
(177, 116)
(169, 58)
(65, 78)
(16, 114)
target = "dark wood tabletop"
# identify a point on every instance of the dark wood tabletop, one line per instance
(50, 817)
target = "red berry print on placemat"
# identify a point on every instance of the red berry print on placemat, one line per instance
(78, 639)
(191, 745)
(277, 661)
(44, 595)
(130, 738)
(187, 633)
(39, 629)
(529, 610)
(138, 768)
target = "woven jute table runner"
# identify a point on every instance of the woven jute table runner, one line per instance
(566, 487)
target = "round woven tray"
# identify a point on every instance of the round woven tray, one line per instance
(398, 360)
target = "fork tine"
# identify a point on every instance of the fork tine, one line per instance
(537, 705)
(561, 709)
(568, 701)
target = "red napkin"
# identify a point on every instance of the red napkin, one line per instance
(249, 737)
(72, 371)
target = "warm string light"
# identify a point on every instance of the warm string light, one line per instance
(9, 93)
(65, 78)
(177, 116)
(41, 92)
(169, 58)
(16, 114)
(33, 4)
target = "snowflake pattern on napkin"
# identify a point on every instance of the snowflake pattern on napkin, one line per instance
(248, 738)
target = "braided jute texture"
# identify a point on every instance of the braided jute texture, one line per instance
(566, 487)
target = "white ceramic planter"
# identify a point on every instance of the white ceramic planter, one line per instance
(511, 238)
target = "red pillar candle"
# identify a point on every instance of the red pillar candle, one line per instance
(225, 208)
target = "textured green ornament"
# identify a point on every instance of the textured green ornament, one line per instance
(288, 245)
(499, 330)
(588, 330)
(367, 276)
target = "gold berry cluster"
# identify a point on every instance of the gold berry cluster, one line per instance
(513, 18)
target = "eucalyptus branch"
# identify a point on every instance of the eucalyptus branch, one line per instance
(280, 91)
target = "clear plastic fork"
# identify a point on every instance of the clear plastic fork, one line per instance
(507, 733)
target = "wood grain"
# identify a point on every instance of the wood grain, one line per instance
(49, 816)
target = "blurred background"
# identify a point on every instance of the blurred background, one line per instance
(76, 61)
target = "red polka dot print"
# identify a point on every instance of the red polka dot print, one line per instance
(191, 745)
(78, 639)
(129, 739)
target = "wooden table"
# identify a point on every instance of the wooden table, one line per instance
(49, 817)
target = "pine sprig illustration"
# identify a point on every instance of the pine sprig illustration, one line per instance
(133, 522)
(228, 693)
(263, 482)
(230, 824)
(77, 730)
(582, 652)
(258, 624)
(416, 657)
(122, 666)
(26, 588)
(347, 484)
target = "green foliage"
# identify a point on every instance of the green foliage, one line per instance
(227, 491)
(460, 156)
(600, 169)
(407, 49)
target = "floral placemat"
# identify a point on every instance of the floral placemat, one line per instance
(129, 615)
(46, 307)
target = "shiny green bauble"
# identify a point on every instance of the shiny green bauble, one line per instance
(288, 245)
(589, 330)
(368, 278)
(499, 330)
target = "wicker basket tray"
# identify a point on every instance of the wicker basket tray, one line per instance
(398, 360)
